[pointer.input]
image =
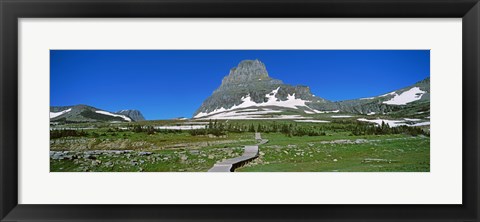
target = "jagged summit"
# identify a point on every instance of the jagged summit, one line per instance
(247, 71)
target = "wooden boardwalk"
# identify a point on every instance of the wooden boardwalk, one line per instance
(249, 153)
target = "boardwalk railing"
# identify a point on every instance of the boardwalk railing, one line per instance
(249, 154)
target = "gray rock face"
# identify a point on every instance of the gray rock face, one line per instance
(247, 72)
(136, 115)
(250, 78)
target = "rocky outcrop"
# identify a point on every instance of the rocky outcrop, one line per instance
(136, 115)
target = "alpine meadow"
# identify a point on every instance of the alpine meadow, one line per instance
(240, 111)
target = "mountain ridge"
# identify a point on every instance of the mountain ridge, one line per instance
(85, 113)
(249, 85)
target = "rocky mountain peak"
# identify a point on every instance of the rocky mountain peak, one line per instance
(247, 71)
(249, 84)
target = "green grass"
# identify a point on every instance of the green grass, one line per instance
(377, 154)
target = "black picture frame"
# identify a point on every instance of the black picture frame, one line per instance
(12, 10)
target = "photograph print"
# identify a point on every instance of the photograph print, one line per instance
(239, 111)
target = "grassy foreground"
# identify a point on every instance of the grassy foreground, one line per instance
(385, 153)
(338, 146)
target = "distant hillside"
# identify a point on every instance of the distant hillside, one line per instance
(401, 99)
(84, 113)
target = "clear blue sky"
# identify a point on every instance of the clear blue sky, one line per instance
(167, 84)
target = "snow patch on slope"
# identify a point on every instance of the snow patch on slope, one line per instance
(247, 101)
(367, 98)
(111, 114)
(260, 114)
(259, 117)
(55, 114)
(392, 123)
(413, 120)
(388, 94)
(312, 121)
(408, 96)
(192, 127)
(332, 111)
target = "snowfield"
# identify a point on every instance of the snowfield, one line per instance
(274, 117)
(388, 94)
(259, 114)
(241, 115)
(414, 120)
(254, 116)
(340, 116)
(393, 123)
(367, 98)
(111, 114)
(291, 102)
(331, 111)
(312, 121)
(248, 110)
(408, 96)
(55, 114)
(259, 117)
(181, 127)
(194, 123)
